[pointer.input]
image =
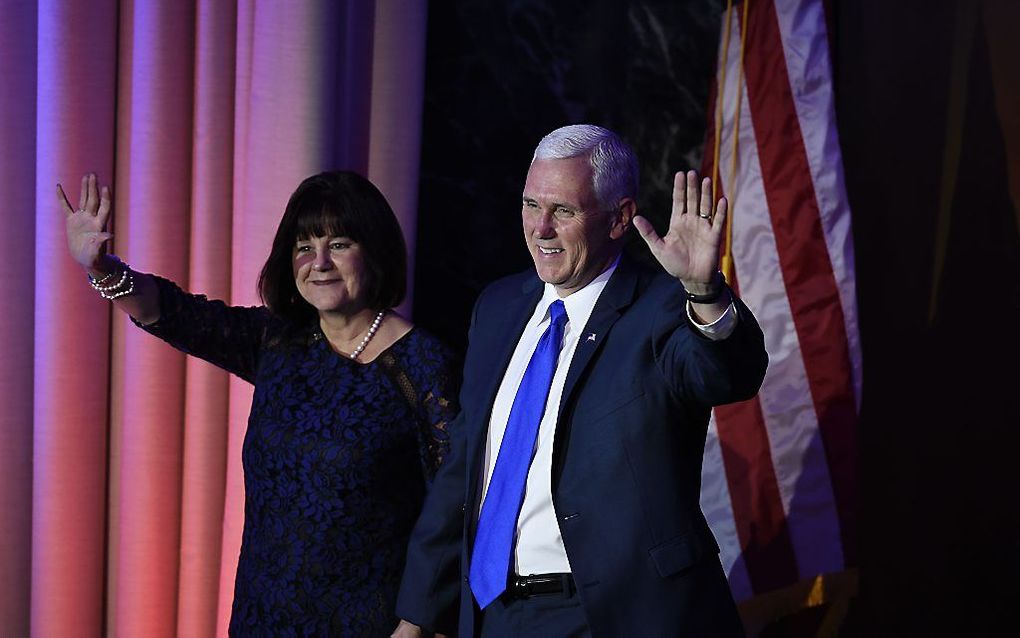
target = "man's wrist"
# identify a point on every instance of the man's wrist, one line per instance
(706, 293)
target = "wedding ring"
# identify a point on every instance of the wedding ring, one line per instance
(80, 210)
(704, 216)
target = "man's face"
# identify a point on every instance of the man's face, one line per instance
(570, 239)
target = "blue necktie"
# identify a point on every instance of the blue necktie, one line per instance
(490, 559)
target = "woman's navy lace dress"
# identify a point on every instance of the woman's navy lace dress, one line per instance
(337, 457)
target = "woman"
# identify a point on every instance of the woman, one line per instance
(350, 406)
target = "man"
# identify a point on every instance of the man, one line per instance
(569, 503)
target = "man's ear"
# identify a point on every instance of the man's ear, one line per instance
(625, 212)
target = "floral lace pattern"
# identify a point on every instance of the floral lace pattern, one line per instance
(336, 464)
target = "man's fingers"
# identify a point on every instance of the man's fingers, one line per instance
(692, 192)
(679, 193)
(706, 196)
(647, 232)
(679, 199)
(722, 209)
(65, 206)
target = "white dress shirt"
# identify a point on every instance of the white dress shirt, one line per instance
(539, 545)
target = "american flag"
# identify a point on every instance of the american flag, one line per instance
(779, 481)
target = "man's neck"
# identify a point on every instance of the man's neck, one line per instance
(610, 265)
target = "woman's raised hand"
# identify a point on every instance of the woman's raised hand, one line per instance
(86, 226)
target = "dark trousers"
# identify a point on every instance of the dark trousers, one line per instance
(546, 616)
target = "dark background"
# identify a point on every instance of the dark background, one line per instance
(939, 507)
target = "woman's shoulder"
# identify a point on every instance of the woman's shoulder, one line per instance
(287, 335)
(420, 346)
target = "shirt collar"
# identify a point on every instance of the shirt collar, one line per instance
(579, 303)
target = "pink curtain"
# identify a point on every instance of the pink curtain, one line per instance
(121, 486)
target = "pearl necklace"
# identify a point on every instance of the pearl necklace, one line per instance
(368, 336)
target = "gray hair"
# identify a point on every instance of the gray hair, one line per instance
(614, 165)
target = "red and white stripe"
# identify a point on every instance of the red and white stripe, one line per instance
(779, 484)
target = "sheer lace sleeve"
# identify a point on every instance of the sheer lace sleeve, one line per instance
(226, 336)
(428, 376)
(439, 404)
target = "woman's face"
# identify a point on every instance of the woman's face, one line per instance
(330, 274)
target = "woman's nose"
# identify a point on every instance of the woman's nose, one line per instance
(322, 261)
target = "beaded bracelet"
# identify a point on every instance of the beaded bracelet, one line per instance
(102, 280)
(124, 286)
(121, 293)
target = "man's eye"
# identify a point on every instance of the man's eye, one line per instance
(563, 212)
(530, 204)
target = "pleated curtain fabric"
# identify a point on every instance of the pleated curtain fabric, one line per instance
(120, 458)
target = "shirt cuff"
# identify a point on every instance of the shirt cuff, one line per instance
(721, 327)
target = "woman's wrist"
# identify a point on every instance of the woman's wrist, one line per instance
(115, 282)
(104, 267)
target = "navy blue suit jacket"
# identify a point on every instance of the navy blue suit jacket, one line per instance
(626, 460)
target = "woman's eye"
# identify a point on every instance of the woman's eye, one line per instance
(303, 249)
(339, 245)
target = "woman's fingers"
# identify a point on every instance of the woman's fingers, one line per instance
(92, 201)
(104, 206)
(83, 196)
(65, 206)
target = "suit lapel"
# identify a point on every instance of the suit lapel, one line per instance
(618, 294)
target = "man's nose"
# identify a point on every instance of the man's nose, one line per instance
(544, 225)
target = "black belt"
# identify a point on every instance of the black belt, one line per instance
(539, 585)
